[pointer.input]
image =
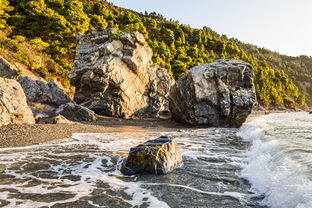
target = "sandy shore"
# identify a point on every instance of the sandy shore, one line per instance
(26, 134)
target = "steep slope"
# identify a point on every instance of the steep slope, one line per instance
(47, 28)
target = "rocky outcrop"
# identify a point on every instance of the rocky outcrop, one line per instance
(7, 70)
(216, 94)
(114, 75)
(158, 156)
(76, 112)
(13, 105)
(38, 91)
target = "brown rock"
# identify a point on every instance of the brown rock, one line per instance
(159, 156)
(117, 78)
(13, 105)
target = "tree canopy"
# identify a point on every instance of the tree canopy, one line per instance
(41, 35)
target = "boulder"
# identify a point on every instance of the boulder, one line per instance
(13, 105)
(76, 112)
(114, 75)
(7, 70)
(159, 156)
(38, 91)
(217, 94)
(53, 120)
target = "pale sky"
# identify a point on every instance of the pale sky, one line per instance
(284, 26)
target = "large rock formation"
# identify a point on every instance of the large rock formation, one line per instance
(7, 70)
(158, 156)
(13, 105)
(216, 94)
(114, 75)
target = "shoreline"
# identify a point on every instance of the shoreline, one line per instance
(19, 135)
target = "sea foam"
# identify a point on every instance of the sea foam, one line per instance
(278, 163)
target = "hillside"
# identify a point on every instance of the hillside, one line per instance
(40, 34)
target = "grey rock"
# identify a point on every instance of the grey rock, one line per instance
(59, 119)
(118, 78)
(13, 105)
(7, 70)
(76, 112)
(38, 91)
(159, 156)
(216, 94)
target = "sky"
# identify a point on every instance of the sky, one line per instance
(284, 26)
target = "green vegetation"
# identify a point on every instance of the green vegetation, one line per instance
(41, 35)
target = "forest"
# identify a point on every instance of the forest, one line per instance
(41, 35)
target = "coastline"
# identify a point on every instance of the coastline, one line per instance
(19, 135)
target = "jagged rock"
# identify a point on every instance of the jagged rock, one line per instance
(158, 156)
(216, 94)
(7, 70)
(117, 78)
(13, 105)
(76, 112)
(53, 120)
(38, 91)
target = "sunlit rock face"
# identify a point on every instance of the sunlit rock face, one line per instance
(216, 94)
(158, 156)
(114, 75)
(13, 104)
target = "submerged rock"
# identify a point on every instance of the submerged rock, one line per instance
(13, 105)
(158, 156)
(38, 91)
(114, 75)
(216, 94)
(76, 112)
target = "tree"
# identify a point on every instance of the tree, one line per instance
(4, 13)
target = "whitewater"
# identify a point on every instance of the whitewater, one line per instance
(279, 162)
(265, 163)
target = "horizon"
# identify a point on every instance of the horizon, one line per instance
(250, 24)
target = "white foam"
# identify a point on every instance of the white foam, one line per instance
(271, 166)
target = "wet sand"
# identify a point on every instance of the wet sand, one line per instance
(32, 134)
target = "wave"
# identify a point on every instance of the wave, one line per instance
(278, 163)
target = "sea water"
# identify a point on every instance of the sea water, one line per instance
(279, 162)
(266, 163)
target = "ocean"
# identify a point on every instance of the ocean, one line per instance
(267, 163)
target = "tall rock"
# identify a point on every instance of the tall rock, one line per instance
(114, 75)
(13, 105)
(216, 94)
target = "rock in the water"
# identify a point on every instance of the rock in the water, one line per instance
(158, 156)
(216, 94)
(43, 92)
(53, 120)
(114, 75)
(7, 70)
(13, 105)
(76, 112)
